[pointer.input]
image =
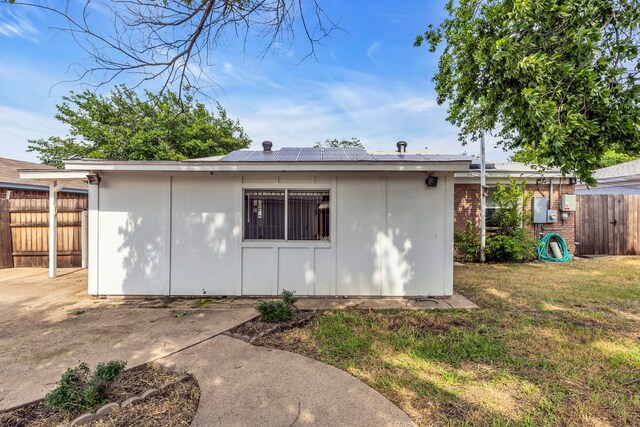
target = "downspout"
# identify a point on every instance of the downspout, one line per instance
(551, 207)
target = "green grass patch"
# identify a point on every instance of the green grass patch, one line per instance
(551, 345)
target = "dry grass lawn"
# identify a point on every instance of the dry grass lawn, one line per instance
(551, 345)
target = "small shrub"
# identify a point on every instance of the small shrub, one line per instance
(467, 243)
(288, 297)
(509, 241)
(274, 311)
(510, 248)
(78, 390)
(278, 310)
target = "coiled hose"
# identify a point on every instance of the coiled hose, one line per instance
(543, 249)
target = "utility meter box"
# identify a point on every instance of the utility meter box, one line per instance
(539, 209)
(552, 215)
(568, 203)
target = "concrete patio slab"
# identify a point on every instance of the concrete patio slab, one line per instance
(47, 326)
(244, 385)
(456, 301)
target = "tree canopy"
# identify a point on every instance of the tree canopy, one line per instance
(555, 78)
(121, 126)
(344, 143)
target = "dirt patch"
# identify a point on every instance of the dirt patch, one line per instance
(255, 329)
(175, 407)
(176, 404)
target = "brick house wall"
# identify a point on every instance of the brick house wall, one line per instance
(467, 208)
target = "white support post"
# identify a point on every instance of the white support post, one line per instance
(483, 202)
(53, 229)
(85, 238)
(94, 202)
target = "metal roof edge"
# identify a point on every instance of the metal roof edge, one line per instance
(40, 188)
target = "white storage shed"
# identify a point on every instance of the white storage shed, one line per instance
(317, 221)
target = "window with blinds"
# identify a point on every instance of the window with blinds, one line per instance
(264, 215)
(307, 215)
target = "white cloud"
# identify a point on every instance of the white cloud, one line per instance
(283, 50)
(17, 126)
(16, 24)
(353, 104)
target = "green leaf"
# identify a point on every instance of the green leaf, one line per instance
(122, 126)
(552, 79)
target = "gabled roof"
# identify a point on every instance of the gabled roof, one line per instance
(622, 170)
(10, 177)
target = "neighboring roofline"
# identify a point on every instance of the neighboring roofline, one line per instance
(612, 182)
(40, 188)
(498, 175)
(620, 171)
(52, 174)
(89, 165)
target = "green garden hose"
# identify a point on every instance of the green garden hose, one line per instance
(543, 252)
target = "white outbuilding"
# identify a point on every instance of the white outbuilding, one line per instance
(317, 221)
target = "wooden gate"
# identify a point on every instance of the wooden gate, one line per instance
(29, 222)
(608, 224)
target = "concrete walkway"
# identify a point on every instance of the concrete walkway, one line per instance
(244, 385)
(47, 326)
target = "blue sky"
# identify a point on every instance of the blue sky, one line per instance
(368, 82)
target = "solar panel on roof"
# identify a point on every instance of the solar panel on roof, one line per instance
(334, 154)
(359, 156)
(261, 156)
(310, 155)
(286, 155)
(237, 156)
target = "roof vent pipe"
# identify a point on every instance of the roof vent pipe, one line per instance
(266, 145)
(402, 146)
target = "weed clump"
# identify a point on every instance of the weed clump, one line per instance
(277, 310)
(81, 390)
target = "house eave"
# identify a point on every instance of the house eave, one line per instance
(30, 187)
(216, 166)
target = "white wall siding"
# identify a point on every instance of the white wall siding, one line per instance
(359, 205)
(183, 235)
(324, 271)
(133, 235)
(206, 232)
(260, 271)
(415, 236)
(394, 236)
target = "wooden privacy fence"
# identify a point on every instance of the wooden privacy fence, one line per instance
(608, 224)
(6, 260)
(29, 231)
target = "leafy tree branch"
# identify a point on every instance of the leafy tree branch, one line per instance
(121, 126)
(556, 78)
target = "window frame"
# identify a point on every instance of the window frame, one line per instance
(286, 190)
(494, 206)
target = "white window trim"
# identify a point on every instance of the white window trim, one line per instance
(268, 243)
